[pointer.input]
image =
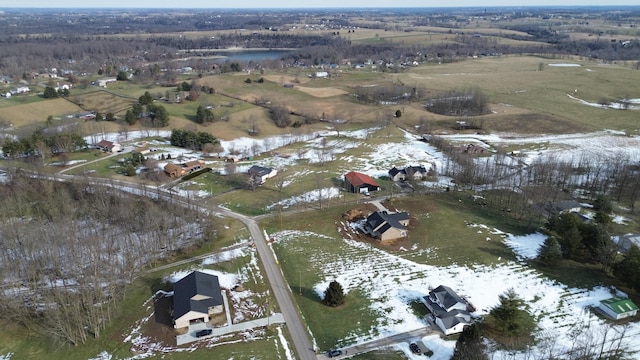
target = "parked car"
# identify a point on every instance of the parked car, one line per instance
(415, 348)
(203, 332)
(334, 353)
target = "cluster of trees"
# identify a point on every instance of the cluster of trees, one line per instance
(204, 115)
(42, 144)
(387, 94)
(74, 249)
(51, 93)
(191, 139)
(469, 102)
(145, 108)
(510, 327)
(280, 115)
(579, 240)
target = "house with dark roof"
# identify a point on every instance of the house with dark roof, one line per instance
(625, 242)
(261, 173)
(175, 170)
(449, 311)
(408, 173)
(108, 146)
(386, 226)
(359, 183)
(618, 307)
(196, 298)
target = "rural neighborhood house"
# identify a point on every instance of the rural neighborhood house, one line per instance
(386, 226)
(449, 311)
(196, 298)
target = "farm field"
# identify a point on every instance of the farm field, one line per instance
(556, 127)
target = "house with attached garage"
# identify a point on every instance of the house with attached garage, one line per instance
(108, 146)
(196, 299)
(175, 170)
(618, 307)
(408, 173)
(359, 183)
(386, 226)
(449, 311)
(261, 174)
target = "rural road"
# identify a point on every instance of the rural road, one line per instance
(298, 332)
(282, 292)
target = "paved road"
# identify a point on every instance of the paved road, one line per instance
(298, 332)
(282, 292)
(408, 337)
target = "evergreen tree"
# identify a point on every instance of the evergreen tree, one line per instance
(145, 99)
(470, 345)
(131, 170)
(510, 316)
(550, 252)
(50, 93)
(130, 118)
(627, 269)
(334, 294)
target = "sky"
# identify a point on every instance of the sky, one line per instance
(259, 4)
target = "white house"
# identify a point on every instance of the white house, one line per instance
(450, 312)
(262, 173)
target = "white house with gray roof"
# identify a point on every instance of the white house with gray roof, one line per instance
(450, 311)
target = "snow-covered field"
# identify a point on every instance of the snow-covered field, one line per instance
(391, 282)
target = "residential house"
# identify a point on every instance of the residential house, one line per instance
(560, 207)
(409, 172)
(450, 312)
(360, 183)
(196, 299)
(386, 226)
(175, 171)
(108, 146)
(261, 173)
(618, 307)
(625, 242)
(104, 82)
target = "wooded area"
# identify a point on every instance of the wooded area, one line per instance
(70, 251)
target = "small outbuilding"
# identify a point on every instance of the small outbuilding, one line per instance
(359, 183)
(618, 307)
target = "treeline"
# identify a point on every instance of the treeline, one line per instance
(467, 102)
(191, 139)
(43, 143)
(69, 252)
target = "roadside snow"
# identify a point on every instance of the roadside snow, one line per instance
(392, 282)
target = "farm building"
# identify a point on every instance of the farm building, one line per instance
(196, 297)
(359, 183)
(618, 307)
(450, 311)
